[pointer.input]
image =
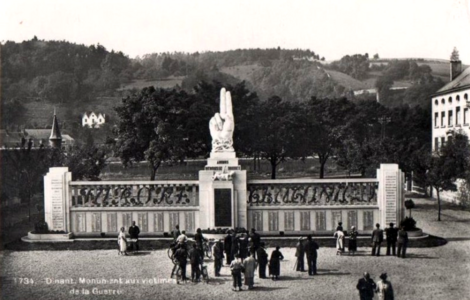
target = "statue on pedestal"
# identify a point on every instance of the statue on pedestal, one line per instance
(222, 124)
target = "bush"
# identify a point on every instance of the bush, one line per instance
(41, 227)
(409, 224)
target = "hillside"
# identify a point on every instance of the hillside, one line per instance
(39, 75)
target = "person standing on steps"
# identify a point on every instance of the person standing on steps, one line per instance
(218, 257)
(392, 234)
(377, 239)
(402, 242)
(300, 254)
(134, 232)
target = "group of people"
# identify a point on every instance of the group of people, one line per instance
(133, 240)
(307, 249)
(394, 237)
(367, 287)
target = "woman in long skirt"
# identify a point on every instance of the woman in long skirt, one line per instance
(275, 263)
(352, 240)
(122, 241)
(339, 242)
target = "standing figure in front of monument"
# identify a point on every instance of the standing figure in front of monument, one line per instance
(402, 242)
(262, 260)
(122, 241)
(377, 239)
(221, 126)
(134, 232)
(392, 234)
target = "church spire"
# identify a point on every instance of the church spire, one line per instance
(55, 140)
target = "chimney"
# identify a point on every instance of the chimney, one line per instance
(455, 64)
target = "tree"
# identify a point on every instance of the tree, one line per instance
(447, 165)
(276, 132)
(152, 127)
(324, 122)
(376, 56)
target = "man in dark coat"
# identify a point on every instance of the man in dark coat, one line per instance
(228, 248)
(218, 257)
(377, 239)
(255, 240)
(366, 287)
(300, 253)
(195, 260)
(235, 245)
(181, 256)
(402, 242)
(262, 260)
(392, 234)
(311, 248)
(134, 232)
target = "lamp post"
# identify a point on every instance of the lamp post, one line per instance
(383, 121)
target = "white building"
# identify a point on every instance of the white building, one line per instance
(93, 120)
(449, 105)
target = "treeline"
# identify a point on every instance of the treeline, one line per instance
(357, 135)
(421, 78)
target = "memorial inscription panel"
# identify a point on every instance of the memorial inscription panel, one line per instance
(223, 207)
(57, 200)
(391, 197)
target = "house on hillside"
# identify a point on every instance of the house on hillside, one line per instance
(37, 137)
(93, 120)
(449, 105)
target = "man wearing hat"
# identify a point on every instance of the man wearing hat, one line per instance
(366, 287)
(218, 256)
(392, 234)
(262, 260)
(300, 253)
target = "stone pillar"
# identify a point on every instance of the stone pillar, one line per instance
(222, 200)
(390, 195)
(57, 198)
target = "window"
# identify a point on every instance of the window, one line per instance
(436, 144)
(112, 222)
(143, 222)
(443, 101)
(450, 118)
(126, 220)
(458, 98)
(465, 116)
(443, 141)
(96, 222)
(436, 102)
(458, 115)
(436, 119)
(189, 221)
(443, 119)
(174, 219)
(336, 218)
(465, 97)
(450, 100)
(258, 220)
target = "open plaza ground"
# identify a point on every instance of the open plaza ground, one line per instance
(427, 273)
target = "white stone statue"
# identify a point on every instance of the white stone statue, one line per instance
(222, 124)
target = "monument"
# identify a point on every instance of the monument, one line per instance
(222, 183)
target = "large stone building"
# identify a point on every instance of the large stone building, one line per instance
(449, 104)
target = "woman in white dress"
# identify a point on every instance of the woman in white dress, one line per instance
(122, 241)
(339, 242)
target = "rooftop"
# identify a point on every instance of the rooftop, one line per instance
(461, 82)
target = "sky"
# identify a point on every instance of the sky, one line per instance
(331, 28)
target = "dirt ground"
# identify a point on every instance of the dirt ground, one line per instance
(428, 273)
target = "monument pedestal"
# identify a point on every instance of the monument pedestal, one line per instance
(390, 195)
(222, 192)
(56, 199)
